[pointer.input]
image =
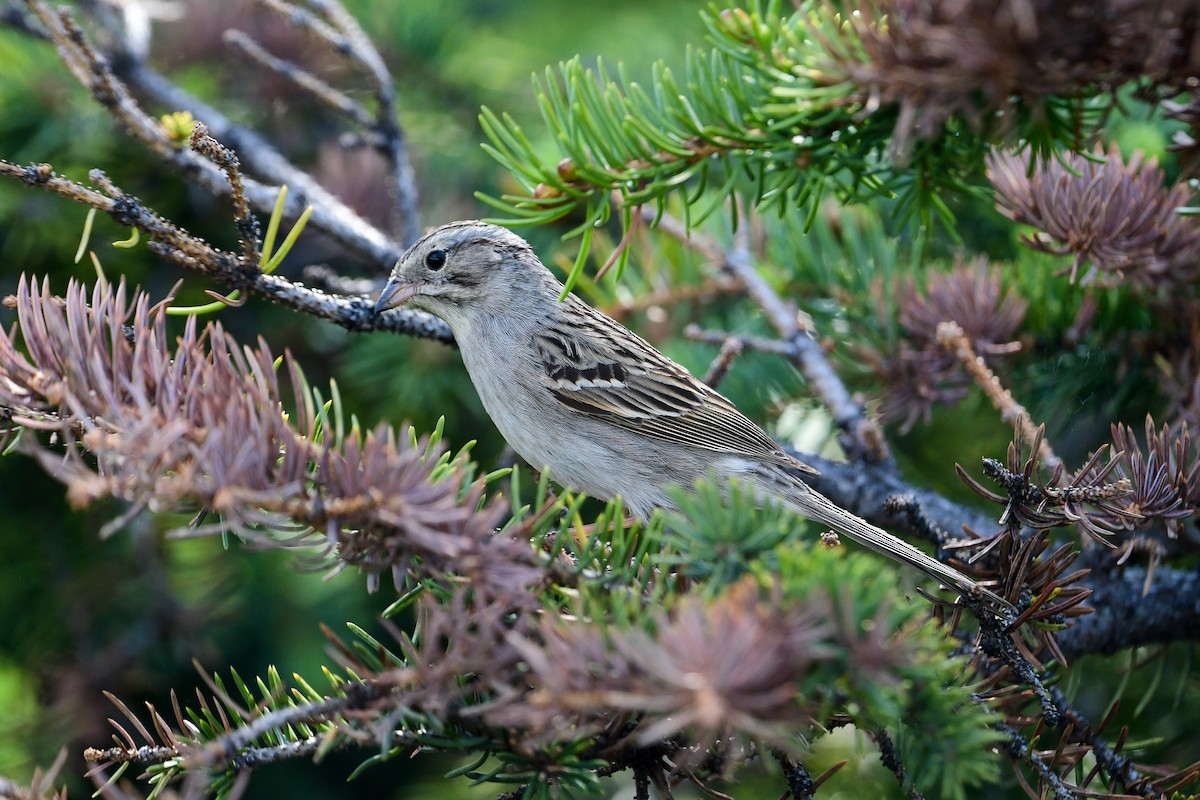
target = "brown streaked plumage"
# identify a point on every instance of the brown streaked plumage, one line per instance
(643, 391)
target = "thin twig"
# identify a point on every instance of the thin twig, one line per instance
(345, 36)
(227, 160)
(146, 754)
(703, 292)
(998, 643)
(719, 338)
(1019, 749)
(407, 216)
(325, 278)
(635, 221)
(1116, 765)
(233, 749)
(951, 336)
(889, 756)
(177, 245)
(721, 364)
(302, 78)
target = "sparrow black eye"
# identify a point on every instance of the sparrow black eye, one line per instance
(436, 259)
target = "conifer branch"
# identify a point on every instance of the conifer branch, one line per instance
(788, 107)
(368, 499)
(98, 72)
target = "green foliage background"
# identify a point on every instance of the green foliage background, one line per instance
(78, 615)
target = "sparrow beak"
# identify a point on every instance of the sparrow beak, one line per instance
(396, 293)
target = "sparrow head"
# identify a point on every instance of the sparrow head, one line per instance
(465, 267)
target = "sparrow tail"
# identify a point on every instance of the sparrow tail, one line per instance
(816, 506)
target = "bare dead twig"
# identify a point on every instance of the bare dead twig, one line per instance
(342, 33)
(719, 338)
(106, 79)
(226, 159)
(180, 247)
(721, 364)
(700, 293)
(951, 336)
(322, 91)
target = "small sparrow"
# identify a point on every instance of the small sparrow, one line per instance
(577, 393)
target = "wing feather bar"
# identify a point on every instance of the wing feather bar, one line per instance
(632, 385)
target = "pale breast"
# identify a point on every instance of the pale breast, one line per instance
(581, 453)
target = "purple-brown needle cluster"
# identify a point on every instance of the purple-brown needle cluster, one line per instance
(990, 62)
(706, 674)
(203, 425)
(1114, 216)
(1092, 499)
(921, 373)
(1133, 502)
(710, 668)
(1165, 476)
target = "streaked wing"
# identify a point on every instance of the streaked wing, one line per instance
(597, 367)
